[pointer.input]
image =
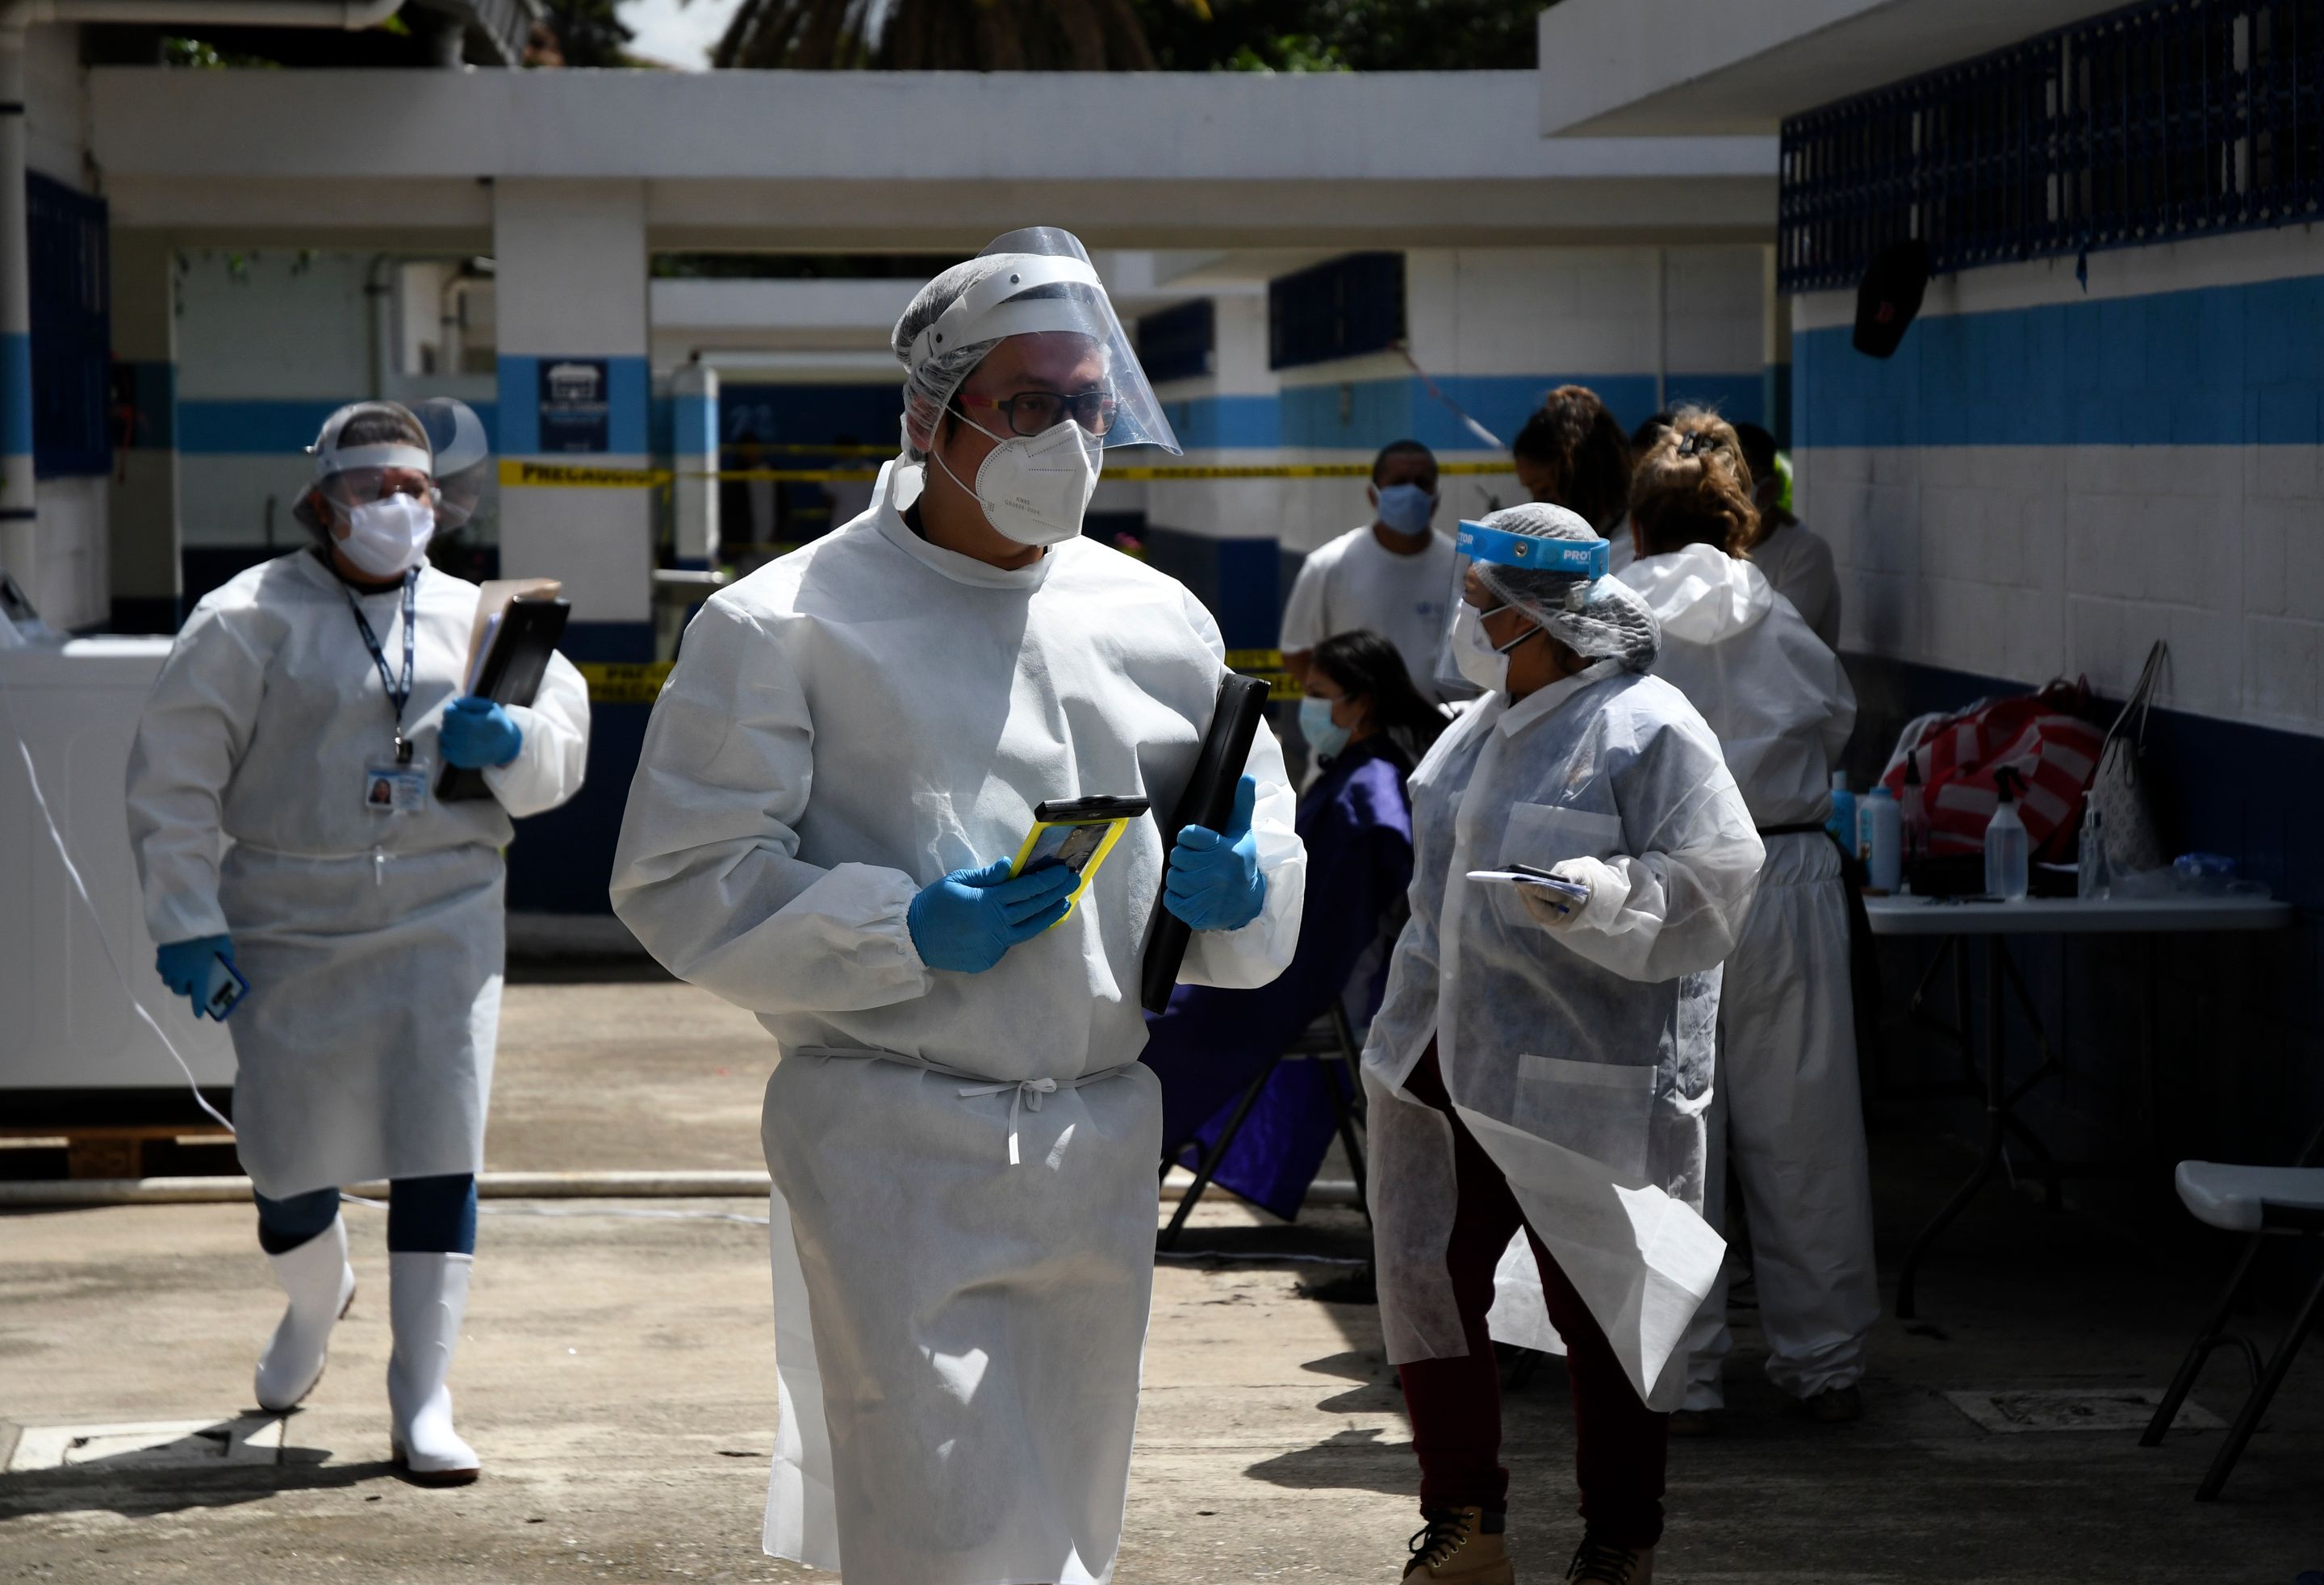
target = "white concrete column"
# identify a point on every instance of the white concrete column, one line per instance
(142, 509)
(693, 448)
(571, 317)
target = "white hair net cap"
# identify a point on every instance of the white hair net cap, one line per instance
(1030, 281)
(1601, 619)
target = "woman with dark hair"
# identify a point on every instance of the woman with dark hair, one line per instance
(305, 711)
(1573, 453)
(1369, 726)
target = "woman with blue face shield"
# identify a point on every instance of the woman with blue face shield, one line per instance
(1541, 1065)
(283, 810)
(1787, 1100)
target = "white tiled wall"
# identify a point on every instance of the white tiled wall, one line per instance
(2033, 562)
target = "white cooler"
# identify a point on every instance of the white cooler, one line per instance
(66, 1022)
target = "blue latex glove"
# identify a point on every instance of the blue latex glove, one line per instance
(1213, 881)
(477, 733)
(969, 919)
(185, 967)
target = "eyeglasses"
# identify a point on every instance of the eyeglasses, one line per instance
(355, 486)
(1033, 412)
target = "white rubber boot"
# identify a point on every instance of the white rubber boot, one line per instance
(322, 1288)
(426, 1298)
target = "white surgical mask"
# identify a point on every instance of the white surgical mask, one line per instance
(1473, 650)
(1035, 488)
(1405, 508)
(387, 537)
(1315, 724)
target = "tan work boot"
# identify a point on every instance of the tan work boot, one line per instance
(1460, 1547)
(1597, 1562)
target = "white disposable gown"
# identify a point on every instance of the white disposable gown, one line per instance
(372, 942)
(957, 1338)
(1580, 1057)
(1787, 1105)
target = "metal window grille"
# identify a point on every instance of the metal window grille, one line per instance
(68, 278)
(1179, 343)
(2167, 120)
(1336, 310)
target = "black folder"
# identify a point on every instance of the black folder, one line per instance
(1208, 801)
(510, 674)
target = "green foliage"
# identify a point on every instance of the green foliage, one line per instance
(588, 32)
(1342, 35)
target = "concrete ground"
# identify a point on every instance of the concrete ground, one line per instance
(618, 1377)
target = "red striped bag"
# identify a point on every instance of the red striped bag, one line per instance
(2046, 738)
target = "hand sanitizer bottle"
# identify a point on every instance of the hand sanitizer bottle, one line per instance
(2006, 848)
(2093, 881)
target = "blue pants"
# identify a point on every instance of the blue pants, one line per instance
(435, 1216)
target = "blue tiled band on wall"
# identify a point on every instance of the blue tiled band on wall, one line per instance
(15, 394)
(234, 426)
(2216, 365)
(1380, 410)
(627, 387)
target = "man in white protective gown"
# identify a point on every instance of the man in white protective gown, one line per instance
(1541, 1062)
(839, 771)
(1787, 1104)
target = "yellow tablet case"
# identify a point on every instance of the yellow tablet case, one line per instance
(1082, 843)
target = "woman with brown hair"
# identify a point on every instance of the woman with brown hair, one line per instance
(1786, 1095)
(1573, 453)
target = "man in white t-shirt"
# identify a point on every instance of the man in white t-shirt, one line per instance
(1392, 576)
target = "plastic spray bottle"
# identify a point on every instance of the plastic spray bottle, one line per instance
(1842, 823)
(1915, 812)
(2006, 851)
(1884, 849)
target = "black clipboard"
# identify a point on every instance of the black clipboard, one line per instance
(509, 674)
(1208, 800)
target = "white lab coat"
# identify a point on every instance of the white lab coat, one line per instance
(1787, 1103)
(372, 942)
(958, 1338)
(1580, 1057)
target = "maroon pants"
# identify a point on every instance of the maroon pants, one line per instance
(1456, 1403)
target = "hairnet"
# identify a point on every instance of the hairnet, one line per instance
(1064, 295)
(1600, 619)
(362, 435)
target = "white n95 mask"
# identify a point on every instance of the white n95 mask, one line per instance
(387, 537)
(1474, 653)
(1035, 488)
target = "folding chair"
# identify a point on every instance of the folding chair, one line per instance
(2259, 1202)
(1328, 1038)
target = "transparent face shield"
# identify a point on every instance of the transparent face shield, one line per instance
(1041, 283)
(463, 457)
(1581, 560)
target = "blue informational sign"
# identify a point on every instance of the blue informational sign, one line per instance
(572, 405)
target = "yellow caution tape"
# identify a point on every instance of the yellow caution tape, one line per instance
(1255, 659)
(793, 475)
(623, 682)
(572, 475)
(1288, 470)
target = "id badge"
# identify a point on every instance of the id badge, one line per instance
(390, 788)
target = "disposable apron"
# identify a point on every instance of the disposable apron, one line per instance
(364, 1049)
(962, 1270)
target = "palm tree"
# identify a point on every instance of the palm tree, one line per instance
(936, 35)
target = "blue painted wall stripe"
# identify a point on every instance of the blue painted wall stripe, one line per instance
(232, 426)
(15, 394)
(1308, 417)
(2219, 365)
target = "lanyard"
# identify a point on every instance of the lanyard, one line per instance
(396, 697)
